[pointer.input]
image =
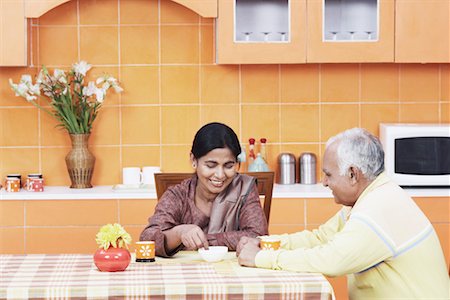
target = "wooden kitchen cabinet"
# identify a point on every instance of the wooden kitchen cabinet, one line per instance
(13, 23)
(350, 31)
(205, 8)
(261, 31)
(422, 31)
(13, 33)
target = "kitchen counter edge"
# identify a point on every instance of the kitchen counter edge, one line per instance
(107, 192)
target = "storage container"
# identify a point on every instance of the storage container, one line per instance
(307, 168)
(286, 168)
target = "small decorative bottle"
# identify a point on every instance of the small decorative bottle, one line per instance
(251, 151)
(242, 158)
(262, 150)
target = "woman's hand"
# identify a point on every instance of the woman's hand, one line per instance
(192, 236)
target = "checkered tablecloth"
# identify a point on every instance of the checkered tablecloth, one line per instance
(182, 277)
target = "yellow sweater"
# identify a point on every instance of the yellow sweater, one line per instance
(384, 244)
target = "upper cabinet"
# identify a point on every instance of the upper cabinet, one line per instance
(288, 31)
(350, 31)
(261, 31)
(422, 31)
(36, 8)
(13, 33)
(205, 8)
(338, 31)
(13, 23)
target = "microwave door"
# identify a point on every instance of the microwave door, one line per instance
(422, 157)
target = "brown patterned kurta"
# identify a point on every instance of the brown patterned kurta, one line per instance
(236, 212)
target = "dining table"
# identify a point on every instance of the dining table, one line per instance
(184, 276)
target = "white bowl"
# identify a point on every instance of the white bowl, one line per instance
(214, 253)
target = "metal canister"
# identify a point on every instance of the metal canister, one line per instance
(307, 168)
(286, 168)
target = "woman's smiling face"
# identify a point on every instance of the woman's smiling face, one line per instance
(215, 170)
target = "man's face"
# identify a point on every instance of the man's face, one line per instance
(344, 188)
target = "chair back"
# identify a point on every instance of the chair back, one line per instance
(264, 182)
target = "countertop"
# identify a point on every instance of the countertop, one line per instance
(108, 192)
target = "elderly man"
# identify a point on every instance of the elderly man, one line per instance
(380, 238)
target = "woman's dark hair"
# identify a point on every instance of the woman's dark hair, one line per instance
(212, 136)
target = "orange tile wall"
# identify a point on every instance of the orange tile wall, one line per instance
(163, 54)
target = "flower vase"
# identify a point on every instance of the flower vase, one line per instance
(80, 162)
(112, 259)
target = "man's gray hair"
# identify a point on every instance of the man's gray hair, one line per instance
(359, 148)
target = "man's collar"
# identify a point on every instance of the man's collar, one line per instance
(377, 182)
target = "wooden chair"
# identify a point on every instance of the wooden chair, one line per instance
(264, 181)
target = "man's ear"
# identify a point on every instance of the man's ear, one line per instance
(354, 174)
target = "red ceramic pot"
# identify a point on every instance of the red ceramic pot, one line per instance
(112, 259)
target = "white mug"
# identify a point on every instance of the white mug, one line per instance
(131, 175)
(148, 174)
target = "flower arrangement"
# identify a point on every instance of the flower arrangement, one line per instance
(113, 235)
(73, 103)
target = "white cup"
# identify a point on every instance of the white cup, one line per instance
(131, 176)
(148, 174)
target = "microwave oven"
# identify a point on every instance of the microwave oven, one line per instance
(417, 155)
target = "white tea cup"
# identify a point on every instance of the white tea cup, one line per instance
(131, 176)
(148, 174)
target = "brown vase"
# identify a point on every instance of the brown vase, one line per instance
(80, 162)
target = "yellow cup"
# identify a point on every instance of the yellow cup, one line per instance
(145, 251)
(270, 244)
(12, 184)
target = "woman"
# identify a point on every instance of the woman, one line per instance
(217, 206)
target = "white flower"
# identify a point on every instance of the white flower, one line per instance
(89, 90)
(82, 67)
(117, 88)
(111, 80)
(26, 79)
(35, 89)
(30, 98)
(60, 76)
(63, 87)
(48, 94)
(99, 95)
(100, 80)
(41, 77)
(105, 85)
(21, 89)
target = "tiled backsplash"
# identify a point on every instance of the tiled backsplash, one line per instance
(163, 54)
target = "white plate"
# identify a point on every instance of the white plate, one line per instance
(139, 188)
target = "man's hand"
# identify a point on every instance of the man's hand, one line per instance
(192, 236)
(247, 250)
(245, 240)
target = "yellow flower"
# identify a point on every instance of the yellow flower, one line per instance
(113, 235)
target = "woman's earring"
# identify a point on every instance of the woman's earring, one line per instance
(194, 165)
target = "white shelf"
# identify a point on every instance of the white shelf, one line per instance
(351, 20)
(259, 21)
(107, 192)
